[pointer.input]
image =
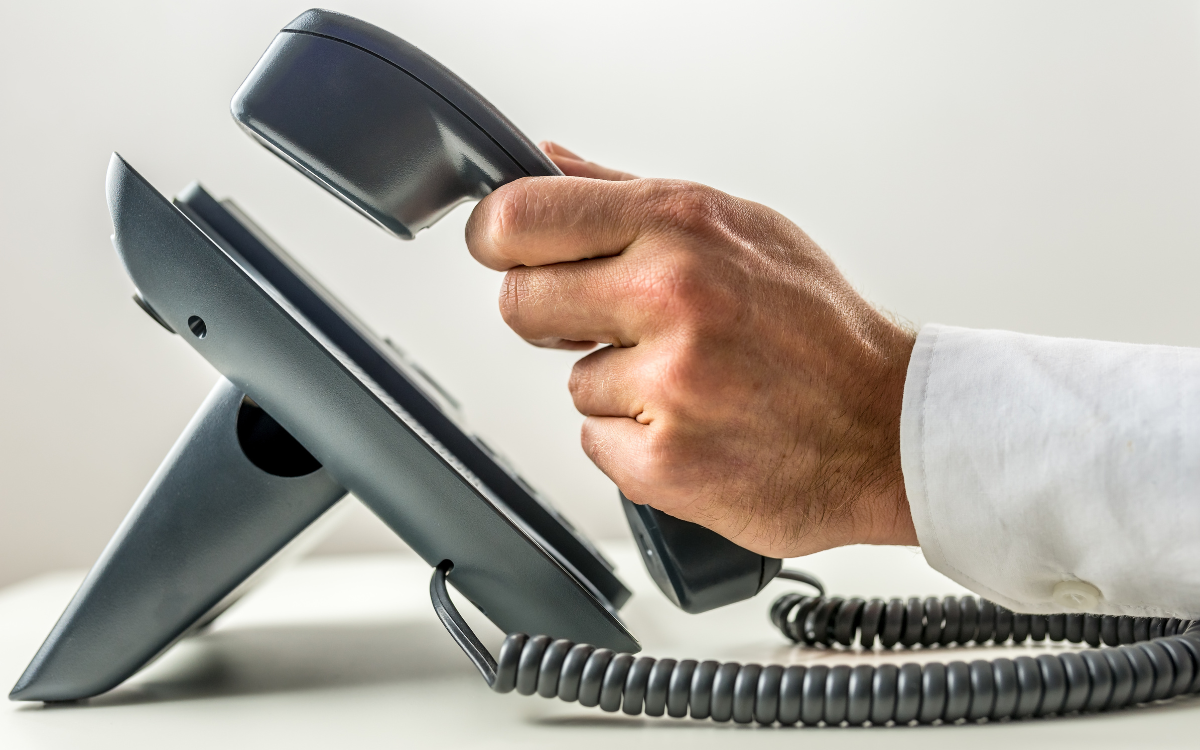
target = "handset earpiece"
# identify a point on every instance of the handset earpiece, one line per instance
(378, 123)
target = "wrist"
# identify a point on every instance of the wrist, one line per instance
(886, 516)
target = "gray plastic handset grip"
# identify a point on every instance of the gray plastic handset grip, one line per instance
(697, 569)
(206, 522)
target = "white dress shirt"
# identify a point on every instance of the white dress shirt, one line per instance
(1053, 475)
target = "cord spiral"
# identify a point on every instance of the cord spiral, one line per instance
(825, 621)
(1149, 659)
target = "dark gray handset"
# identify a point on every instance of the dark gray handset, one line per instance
(379, 123)
(400, 138)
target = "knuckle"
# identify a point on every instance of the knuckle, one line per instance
(515, 297)
(682, 287)
(502, 218)
(508, 214)
(658, 277)
(687, 388)
(581, 382)
(654, 379)
(689, 275)
(592, 440)
(687, 206)
(650, 286)
(690, 283)
(664, 462)
(681, 377)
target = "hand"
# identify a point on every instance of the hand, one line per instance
(745, 386)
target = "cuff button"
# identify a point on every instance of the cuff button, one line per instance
(1078, 596)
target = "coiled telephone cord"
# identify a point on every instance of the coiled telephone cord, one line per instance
(1148, 659)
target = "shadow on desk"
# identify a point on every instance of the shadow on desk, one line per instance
(261, 660)
(619, 721)
(275, 659)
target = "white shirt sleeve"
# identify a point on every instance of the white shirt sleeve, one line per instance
(1037, 466)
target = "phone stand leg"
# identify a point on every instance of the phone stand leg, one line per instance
(210, 517)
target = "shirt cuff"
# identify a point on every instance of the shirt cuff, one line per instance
(1036, 466)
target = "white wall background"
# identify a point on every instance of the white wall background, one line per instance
(1025, 165)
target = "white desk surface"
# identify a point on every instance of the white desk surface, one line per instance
(346, 652)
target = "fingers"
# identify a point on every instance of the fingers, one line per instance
(536, 221)
(619, 446)
(580, 168)
(574, 165)
(574, 305)
(553, 150)
(610, 383)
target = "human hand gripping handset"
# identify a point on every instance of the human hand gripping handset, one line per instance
(313, 405)
(402, 140)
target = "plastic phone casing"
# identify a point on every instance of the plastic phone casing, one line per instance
(211, 518)
(379, 123)
(206, 522)
(696, 568)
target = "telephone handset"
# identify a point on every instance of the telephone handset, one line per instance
(312, 405)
